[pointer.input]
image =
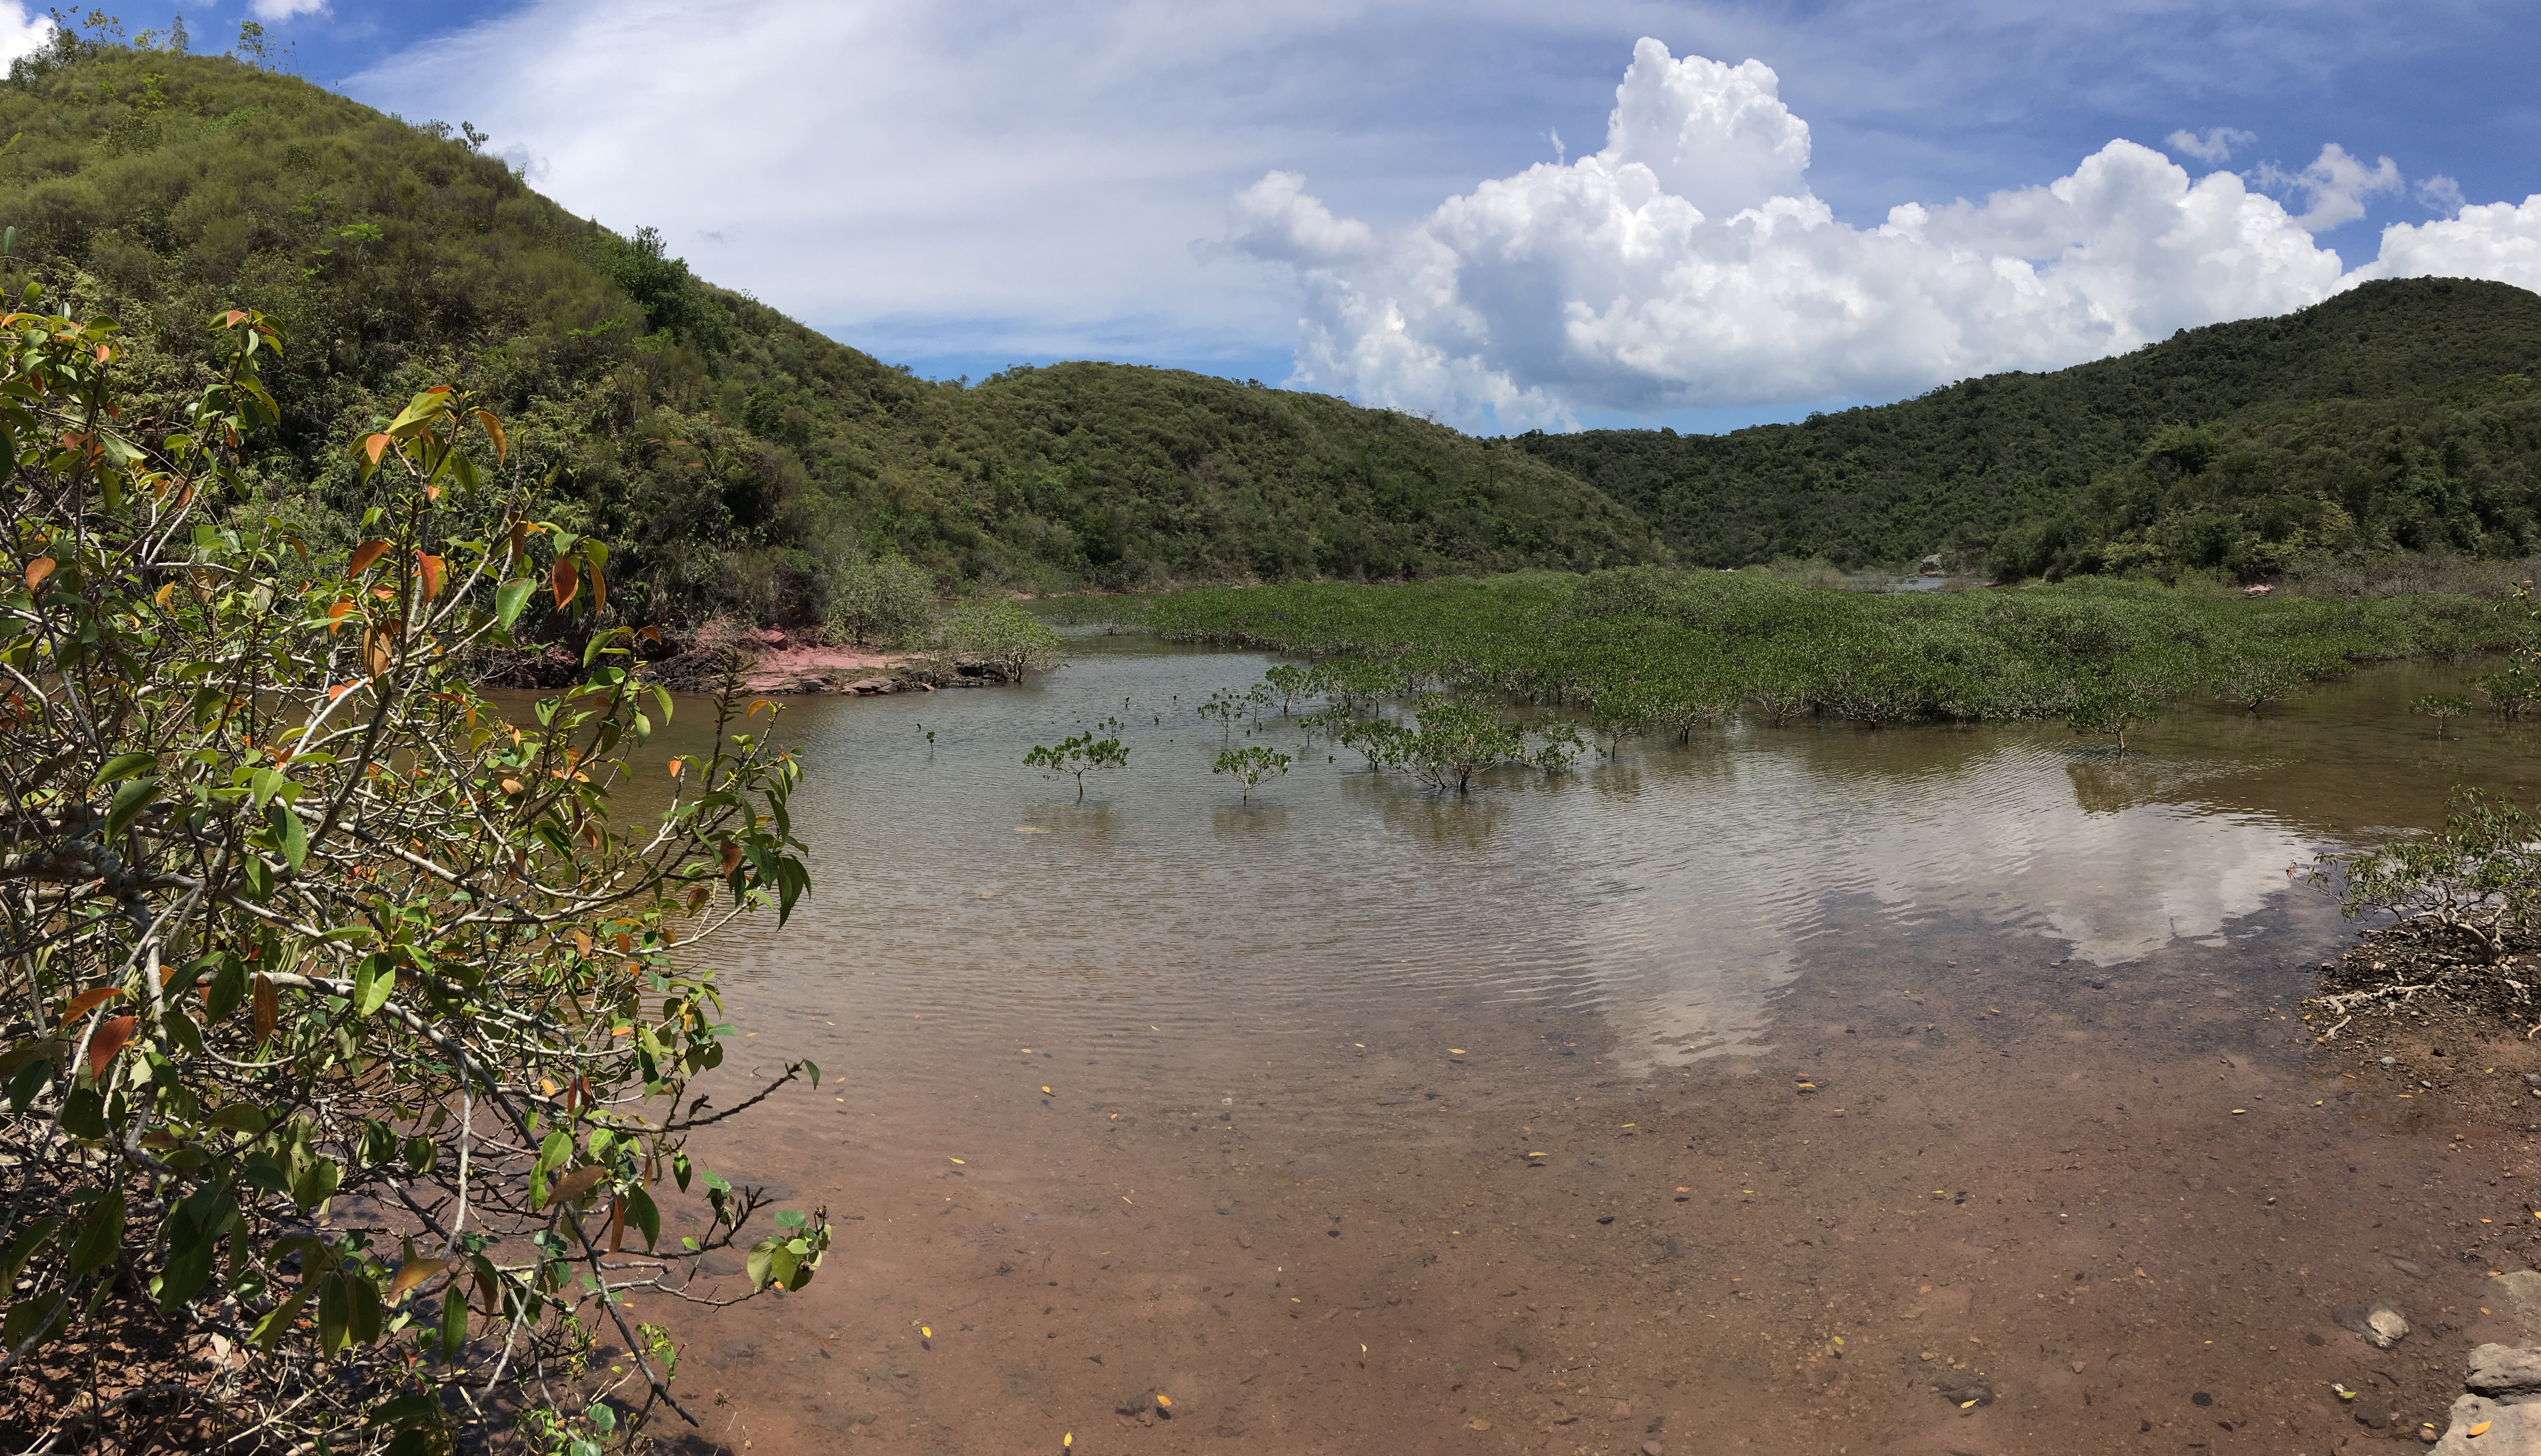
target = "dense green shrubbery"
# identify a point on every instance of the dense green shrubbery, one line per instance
(2400, 417)
(1651, 649)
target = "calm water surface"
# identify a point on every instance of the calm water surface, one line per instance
(1305, 1108)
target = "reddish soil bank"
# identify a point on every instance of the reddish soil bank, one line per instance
(1971, 1204)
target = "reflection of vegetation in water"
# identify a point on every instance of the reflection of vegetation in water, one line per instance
(1648, 650)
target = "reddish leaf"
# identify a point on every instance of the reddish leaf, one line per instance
(269, 1009)
(414, 1272)
(495, 432)
(36, 570)
(731, 856)
(110, 1039)
(599, 592)
(562, 581)
(432, 568)
(365, 553)
(336, 613)
(89, 1000)
(375, 446)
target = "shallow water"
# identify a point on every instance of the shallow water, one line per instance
(1304, 1109)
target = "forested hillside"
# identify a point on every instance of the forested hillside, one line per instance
(2398, 416)
(743, 460)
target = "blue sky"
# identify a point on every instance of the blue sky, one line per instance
(963, 187)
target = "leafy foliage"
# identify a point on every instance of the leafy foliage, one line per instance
(1252, 767)
(2399, 415)
(292, 920)
(1651, 650)
(2478, 878)
(999, 633)
(1081, 754)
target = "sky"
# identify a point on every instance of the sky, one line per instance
(1506, 216)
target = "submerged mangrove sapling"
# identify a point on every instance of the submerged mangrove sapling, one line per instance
(1076, 757)
(2439, 706)
(1250, 767)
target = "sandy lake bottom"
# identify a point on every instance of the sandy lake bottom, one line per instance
(1803, 1090)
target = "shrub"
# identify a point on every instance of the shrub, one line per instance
(296, 922)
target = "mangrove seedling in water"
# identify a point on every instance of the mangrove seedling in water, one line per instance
(1252, 767)
(2439, 706)
(1081, 754)
(2110, 704)
(1560, 747)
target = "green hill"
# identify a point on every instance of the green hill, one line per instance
(2397, 416)
(740, 460)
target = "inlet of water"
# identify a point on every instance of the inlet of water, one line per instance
(1729, 1095)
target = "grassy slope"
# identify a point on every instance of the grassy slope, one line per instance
(2375, 421)
(741, 456)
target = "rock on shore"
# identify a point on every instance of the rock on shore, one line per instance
(2501, 1404)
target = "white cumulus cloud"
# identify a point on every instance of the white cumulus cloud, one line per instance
(2336, 182)
(2498, 241)
(1689, 265)
(283, 10)
(21, 32)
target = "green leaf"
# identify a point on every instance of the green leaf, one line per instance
(18, 1249)
(84, 1114)
(454, 1320)
(185, 1273)
(416, 1408)
(28, 1316)
(228, 988)
(241, 1117)
(509, 599)
(126, 766)
(292, 835)
(373, 982)
(362, 1300)
(761, 1260)
(316, 1184)
(646, 1218)
(334, 1315)
(270, 1330)
(100, 1237)
(129, 801)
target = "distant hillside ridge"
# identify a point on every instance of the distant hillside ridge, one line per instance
(743, 462)
(2398, 415)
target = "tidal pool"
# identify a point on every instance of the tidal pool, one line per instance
(1779, 1091)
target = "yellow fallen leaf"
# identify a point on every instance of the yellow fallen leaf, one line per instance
(1045, 1089)
(1964, 1405)
(2479, 1430)
(923, 1333)
(2236, 1112)
(1459, 1051)
(1030, 829)
(957, 1160)
(1165, 1400)
(1068, 1441)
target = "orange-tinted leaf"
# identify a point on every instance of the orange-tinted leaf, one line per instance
(675, 766)
(110, 1039)
(432, 568)
(36, 570)
(234, 318)
(364, 554)
(337, 690)
(577, 1183)
(375, 446)
(616, 1224)
(268, 1007)
(164, 593)
(89, 1000)
(104, 353)
(562, 581)
(374, 653)
(582, 942)
(599, 592)
(414, 1272)
(731, 856)
(336, 613)
(495, 432)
